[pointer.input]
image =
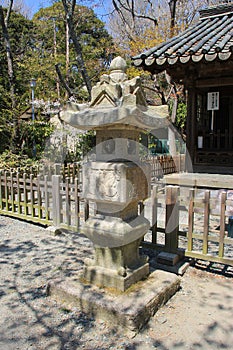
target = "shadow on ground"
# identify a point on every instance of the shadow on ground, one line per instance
(30, 257)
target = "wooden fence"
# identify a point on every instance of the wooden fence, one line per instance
(70, 170)
(160, 165)
(193, 223)
(43, 199)
(163, 165)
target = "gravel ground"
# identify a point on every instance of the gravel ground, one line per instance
(199, 316)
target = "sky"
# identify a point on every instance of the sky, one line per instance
(35, 5)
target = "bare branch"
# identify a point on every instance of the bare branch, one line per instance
(9, 12)
(62, 80)
(131, 9)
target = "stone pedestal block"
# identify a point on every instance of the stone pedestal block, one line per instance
(117, 268)
(104, 277)
(116, 262)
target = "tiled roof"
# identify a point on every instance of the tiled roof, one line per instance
(211, 38)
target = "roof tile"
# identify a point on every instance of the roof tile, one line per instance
(210, 38)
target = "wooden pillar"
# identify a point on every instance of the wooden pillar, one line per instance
(172, 219)
(169, 256)
(191, 121)
(57, 200)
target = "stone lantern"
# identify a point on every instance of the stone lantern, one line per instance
(116, 180)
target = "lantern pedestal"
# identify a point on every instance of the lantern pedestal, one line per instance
(117, 263)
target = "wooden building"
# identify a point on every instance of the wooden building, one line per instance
(201, 58)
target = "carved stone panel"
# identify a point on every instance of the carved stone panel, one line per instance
(119, 183)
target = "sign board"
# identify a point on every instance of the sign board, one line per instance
(213, 101)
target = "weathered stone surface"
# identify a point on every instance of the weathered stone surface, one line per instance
(116, 100)
(115, 182)
(120, 279)
(154, 118)
(117, 144)
(168, 258)
(117, 262)
(130, 310)
(107, 231)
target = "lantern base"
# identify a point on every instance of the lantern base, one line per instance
(124, 267)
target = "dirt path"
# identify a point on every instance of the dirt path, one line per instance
(199, 316)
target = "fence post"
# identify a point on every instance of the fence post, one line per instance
(222, 224)
(190, 219)
(46, 198)
(76, 204)
(57, 169)
(18, 191)
(1, 190)
(86, 209)
(206, 221)
(172, 219)
(141, 211)
(39, 197)
(57, 202)
(67, 202)
(154, 205)
(6, 191)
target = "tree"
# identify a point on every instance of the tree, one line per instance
(69, 8)
(153, 20)
(10, 71)
(36, 46)
(14, 38)
(54, 46)
(6, 38)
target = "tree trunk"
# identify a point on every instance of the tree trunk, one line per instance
(172, 6)
(55, 54)
(69, 17)
(67, 52)
(62, 80)
(4, 25)
(11, 79)
(171, 131)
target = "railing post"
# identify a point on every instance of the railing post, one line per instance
(172, 219)
(206, 221)
(67, 202)
(57, 169)
(6, 192)
(154, 205)
(141, 211)
(190, 219)
(222, 224)
(57, 202)
(76, 204)
(1, 194)
(86, 209)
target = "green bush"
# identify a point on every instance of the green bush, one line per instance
(10, 160)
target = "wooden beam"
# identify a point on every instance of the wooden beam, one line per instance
(211, 82)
